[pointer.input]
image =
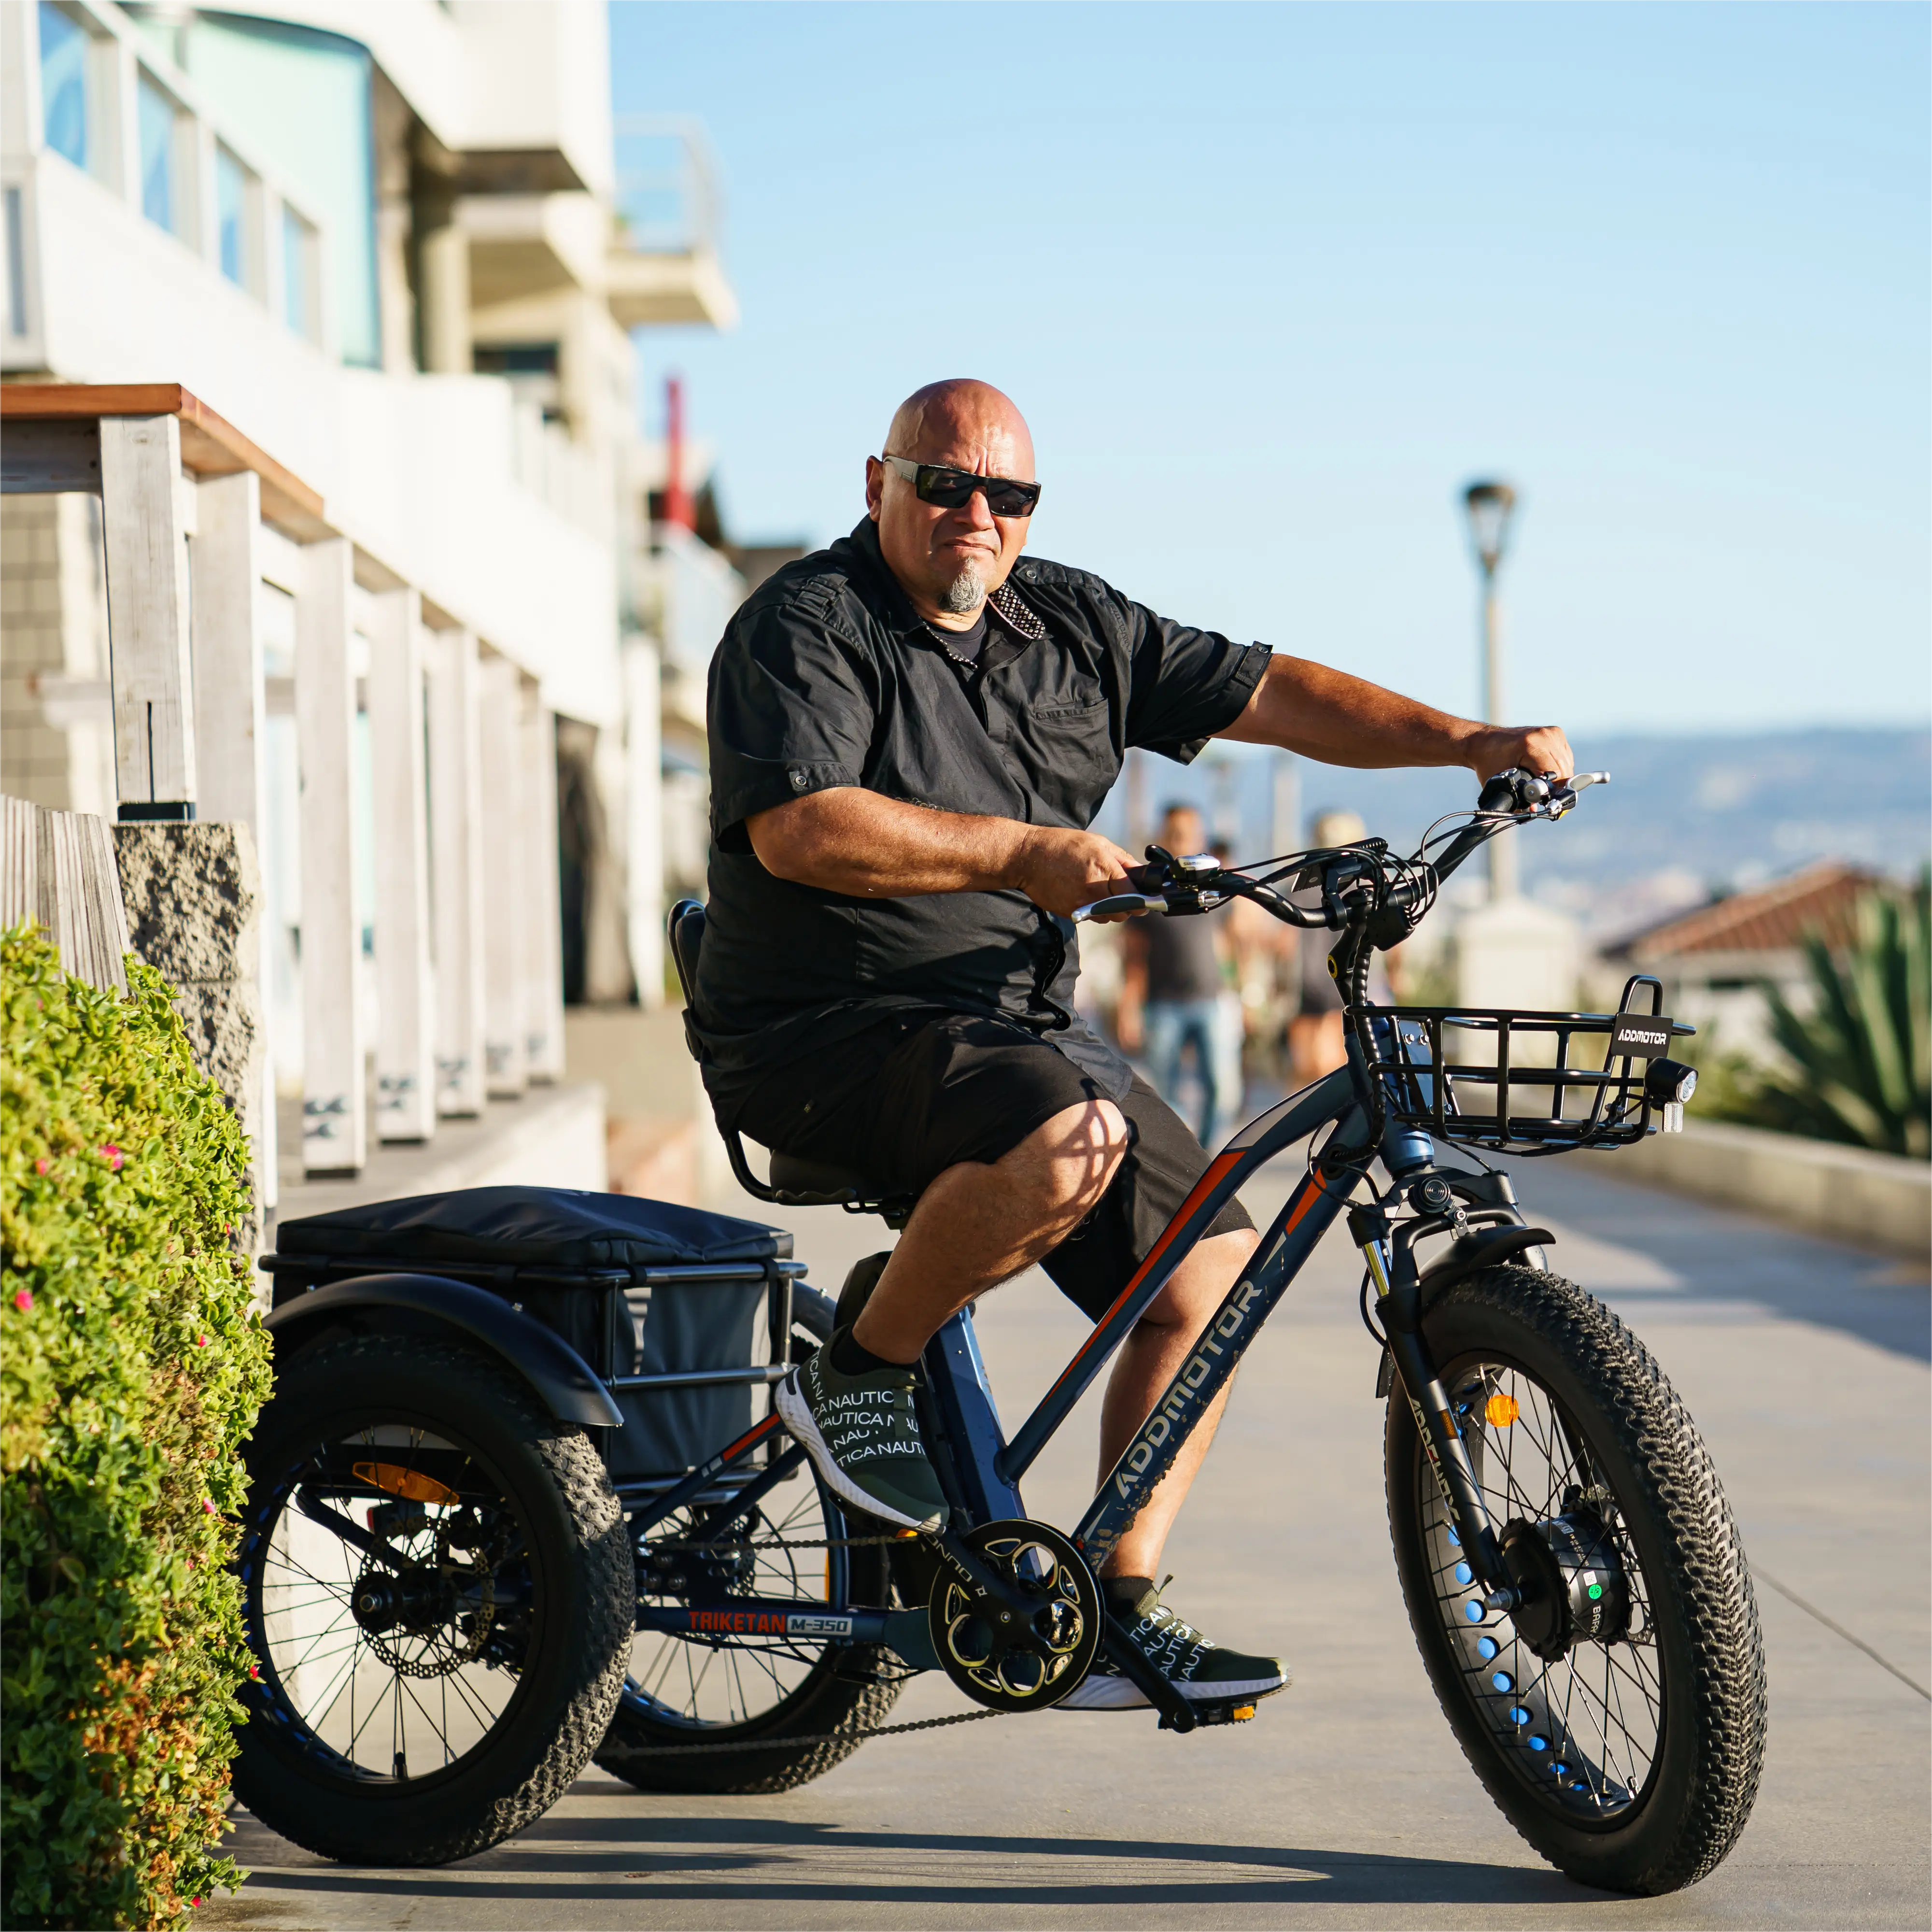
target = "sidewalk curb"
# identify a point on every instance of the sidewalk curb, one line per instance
(1843, 1193)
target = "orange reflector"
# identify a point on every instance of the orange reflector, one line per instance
(1241, 1713)
(1501, 1410)
(410, 1482)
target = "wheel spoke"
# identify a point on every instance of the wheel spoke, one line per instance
(1524, 1468)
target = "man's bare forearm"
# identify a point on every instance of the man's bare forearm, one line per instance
(1326, 714)
(852, 841)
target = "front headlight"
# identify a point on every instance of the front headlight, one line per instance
(1670, 1083)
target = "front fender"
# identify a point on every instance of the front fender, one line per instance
(1485, 1248)
(561, 1377)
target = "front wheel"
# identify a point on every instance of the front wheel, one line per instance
(1617, 1717)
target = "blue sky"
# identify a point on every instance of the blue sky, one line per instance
(1271, 282)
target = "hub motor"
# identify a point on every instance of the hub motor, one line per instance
(1571, 1579)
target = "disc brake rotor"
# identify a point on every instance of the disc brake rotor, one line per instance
(1018, 1659)
(415, 1620)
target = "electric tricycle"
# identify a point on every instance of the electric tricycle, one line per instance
(514, 1505)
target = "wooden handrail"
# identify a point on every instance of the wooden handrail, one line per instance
(211, 446)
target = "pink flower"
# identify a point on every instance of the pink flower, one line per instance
(255, 1673)
(207, 1507)
(42, 1164)
(201, 1341)
(113, 1153)
(22, 1300)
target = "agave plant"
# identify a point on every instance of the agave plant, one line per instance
(1861, 1060)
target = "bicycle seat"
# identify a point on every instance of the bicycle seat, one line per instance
(794, 1183)
(792, 1173)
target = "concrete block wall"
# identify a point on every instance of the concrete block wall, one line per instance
(1874, 1200)
(56, 735)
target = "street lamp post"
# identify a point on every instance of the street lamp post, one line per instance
(1489, 507)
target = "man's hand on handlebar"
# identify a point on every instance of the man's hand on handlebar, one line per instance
(1063, 870)
(1541, 750)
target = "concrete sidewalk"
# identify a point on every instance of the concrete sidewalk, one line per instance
(1346, 1803)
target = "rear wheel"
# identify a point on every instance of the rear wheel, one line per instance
(438, 1596)
(1617, 1717)
(755, 1693)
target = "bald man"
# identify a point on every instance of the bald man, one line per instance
(910, 733)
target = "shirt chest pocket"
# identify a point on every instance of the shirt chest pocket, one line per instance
(1068, 741)
(1076, 713)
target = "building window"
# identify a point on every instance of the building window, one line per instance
(234, 219)
(298, 305)
(161, 198)
(530, 367)
(64, 64)
(301, 101)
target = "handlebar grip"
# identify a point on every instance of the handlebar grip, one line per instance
(1118, 902)
(1498, 794)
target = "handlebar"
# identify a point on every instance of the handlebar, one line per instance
(1356, 881)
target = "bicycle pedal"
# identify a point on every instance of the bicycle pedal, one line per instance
(1229, 1713)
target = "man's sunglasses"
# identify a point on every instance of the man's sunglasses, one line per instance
(949, 489)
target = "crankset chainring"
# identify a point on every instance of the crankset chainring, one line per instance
(1004, 1658)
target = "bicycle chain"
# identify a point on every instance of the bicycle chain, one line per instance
(782, 1543)
(619, 1753)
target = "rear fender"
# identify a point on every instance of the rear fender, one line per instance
(364, 1304)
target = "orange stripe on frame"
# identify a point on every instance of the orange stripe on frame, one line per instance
(1205, 1186)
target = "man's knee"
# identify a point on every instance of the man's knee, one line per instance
(1201, 1282)
(1072, 1157)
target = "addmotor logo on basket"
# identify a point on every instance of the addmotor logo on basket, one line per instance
(1640, 1035)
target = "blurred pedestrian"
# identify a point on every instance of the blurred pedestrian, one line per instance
(1171, 984)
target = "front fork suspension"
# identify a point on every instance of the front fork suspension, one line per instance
(1398, 1301)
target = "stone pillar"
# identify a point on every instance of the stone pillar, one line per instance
(193, 897)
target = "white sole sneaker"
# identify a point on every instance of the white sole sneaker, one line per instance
(1108, 1690)
(795, 1412)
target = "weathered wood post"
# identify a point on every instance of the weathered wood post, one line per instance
(405, 1034)
(457, 837)
(147, 509)
(335, 1131)
(231, 733)
(505, 878)
(543, 959)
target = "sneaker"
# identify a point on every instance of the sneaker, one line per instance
(1206, 1673)
(862, 1433)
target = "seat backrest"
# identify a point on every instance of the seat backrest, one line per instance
(684, 929)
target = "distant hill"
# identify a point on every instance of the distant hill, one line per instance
(1681, 818)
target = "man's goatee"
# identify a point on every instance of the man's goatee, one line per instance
(965, 592)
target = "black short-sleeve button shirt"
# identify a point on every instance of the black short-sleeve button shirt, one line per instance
(827, 677)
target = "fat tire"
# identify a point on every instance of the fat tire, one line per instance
(570, 1686)
(1710, 1647)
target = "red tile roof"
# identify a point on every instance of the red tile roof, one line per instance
(1774, 919)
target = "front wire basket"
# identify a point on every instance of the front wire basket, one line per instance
(1512, 1083)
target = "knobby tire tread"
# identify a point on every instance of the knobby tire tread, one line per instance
(598, 1638)
(1707, 1577)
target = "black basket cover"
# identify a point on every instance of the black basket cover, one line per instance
(558, 1228)
(690, 1325)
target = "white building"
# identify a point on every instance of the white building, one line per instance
(358, 267)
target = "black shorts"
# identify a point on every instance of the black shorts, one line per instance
(924, 1090)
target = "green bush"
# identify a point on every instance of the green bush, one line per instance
(1857, 1067)
(133, 1369)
